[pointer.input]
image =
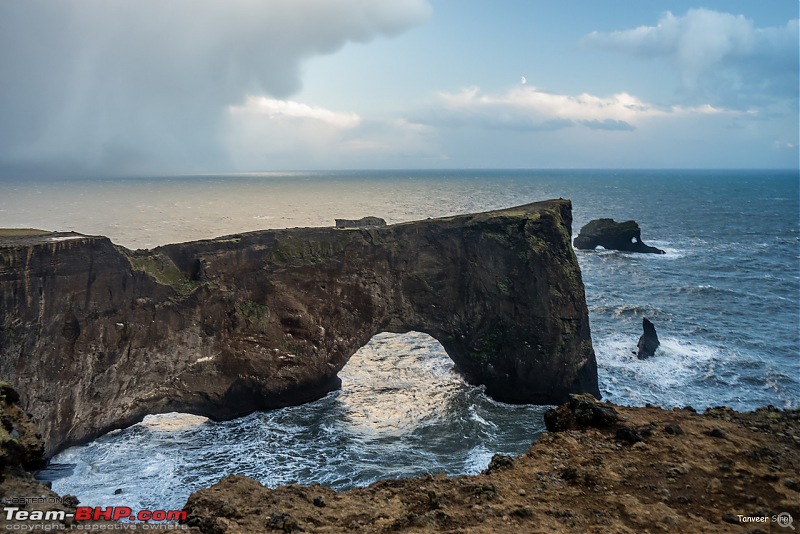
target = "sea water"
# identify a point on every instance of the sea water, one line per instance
(724, 299)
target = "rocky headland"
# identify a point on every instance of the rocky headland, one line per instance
(95, 336)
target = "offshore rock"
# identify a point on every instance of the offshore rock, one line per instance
(96, 336)
(607, 233)
(648, 341)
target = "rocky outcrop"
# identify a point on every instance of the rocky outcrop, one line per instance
(648, 342)
(607, 233)
(97, 336)
(21, 446)
(364, 222)
(607, 469)
(21, 453)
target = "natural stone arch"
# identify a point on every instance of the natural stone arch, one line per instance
(96, 336)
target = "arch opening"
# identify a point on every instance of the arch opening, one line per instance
(396, 383)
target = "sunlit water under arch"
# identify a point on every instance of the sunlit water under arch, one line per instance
(402, 411)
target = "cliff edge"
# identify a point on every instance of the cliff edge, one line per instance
(97, 336)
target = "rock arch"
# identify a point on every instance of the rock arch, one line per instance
(96, 336)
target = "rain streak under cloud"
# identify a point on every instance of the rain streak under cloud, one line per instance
(146, 84)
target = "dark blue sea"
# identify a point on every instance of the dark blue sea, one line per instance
(725, 299)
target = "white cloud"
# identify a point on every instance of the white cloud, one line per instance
(271, 133)
(287, 110)
(717, 54)
(129, 84)
(528, 108)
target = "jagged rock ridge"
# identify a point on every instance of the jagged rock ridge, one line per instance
(97, 336)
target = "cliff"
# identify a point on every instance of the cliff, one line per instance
(97, 336)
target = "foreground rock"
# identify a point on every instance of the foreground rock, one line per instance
(607, 233)
(619, 470)
(21, 454)
(648, 341)
(97, 336)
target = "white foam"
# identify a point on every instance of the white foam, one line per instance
(65, 237)
(172, 421)
(663, 379)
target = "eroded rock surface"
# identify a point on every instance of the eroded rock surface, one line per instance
(609, 234)
(97, 336)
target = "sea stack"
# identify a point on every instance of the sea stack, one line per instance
(648, 342)
(609, 234)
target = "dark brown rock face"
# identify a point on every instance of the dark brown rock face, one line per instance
(97, 336)
(609, 234)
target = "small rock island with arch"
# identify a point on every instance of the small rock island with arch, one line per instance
(609, 234)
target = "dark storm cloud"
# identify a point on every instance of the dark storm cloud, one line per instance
(142, 85)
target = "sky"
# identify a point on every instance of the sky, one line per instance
(211, 86)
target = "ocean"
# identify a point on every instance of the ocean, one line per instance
(725, 299)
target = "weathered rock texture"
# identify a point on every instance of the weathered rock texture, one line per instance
(607, 233)
(648, 341)
(97, 336)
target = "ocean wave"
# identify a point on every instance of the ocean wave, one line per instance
(632, 310)
(673, 377)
